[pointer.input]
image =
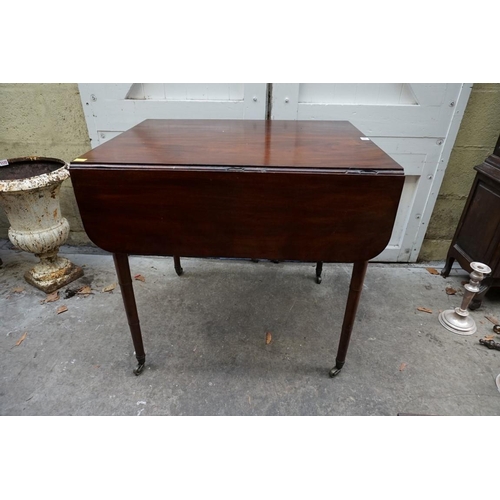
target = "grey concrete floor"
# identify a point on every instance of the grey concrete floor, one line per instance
(205, 339)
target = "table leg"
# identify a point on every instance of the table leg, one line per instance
(483, 290)
(357, 279)
(319, 269)
(124, 278)
(447, 268)
(177, 265)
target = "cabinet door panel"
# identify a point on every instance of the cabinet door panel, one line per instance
(480, 233)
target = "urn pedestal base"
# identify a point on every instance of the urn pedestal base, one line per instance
(53, 273)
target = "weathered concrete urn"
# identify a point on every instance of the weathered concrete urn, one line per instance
(29, 194)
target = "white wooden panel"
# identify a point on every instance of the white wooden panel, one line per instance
(412, 121)
(255, 101)
(284, 104)
(430, 118)
(356, 93)
(154, 90)
(132, 112)
(214, 91)
(187, 91)
(438, 173)
(404, 210)
(415, 124)
(146, 91)
(105, 90)
(106, 135)
(396, 93)
(345, 93)
(136, 91)
(412, 153)
(114, 108)
(418, 157)
(434, 94)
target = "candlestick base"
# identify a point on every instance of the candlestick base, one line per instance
(458, 320)
(457, 323)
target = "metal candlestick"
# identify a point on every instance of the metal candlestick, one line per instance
(458, 320)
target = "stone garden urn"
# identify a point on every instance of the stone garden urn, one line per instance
(29, 194)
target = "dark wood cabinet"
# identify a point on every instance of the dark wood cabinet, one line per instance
(477, 238)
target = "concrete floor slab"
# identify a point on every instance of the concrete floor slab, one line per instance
(205, 339)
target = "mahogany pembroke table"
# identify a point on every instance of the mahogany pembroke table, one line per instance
(312, 191)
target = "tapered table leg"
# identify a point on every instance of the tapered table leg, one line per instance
(177, 265)
(357, 279)
(447, 268)
(125, 280)
(319, 270)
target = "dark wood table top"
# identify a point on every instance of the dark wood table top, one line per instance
(244, 143)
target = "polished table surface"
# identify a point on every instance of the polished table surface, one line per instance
(282, 190)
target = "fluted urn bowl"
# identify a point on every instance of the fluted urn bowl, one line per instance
(29, 194)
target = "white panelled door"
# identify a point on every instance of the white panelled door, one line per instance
(415, 124)
(112, 108)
